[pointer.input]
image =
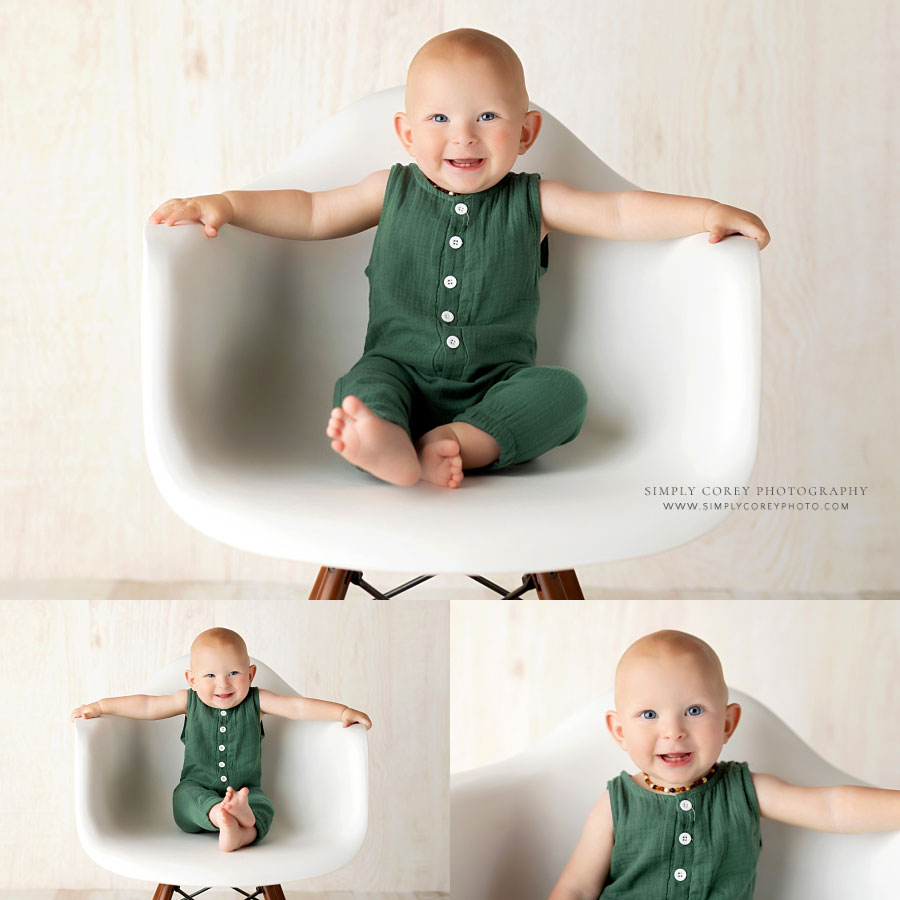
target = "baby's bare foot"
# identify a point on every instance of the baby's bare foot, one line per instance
(236, 804)
(230, 832)
(441, 463)
(373, 443)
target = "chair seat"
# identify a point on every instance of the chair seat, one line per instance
(515, 824)
(126, 771)
(245, 335)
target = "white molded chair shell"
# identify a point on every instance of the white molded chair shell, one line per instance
(316, 774)
(515, 824)
(244, 336)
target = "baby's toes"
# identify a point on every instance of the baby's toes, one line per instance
(335, 423)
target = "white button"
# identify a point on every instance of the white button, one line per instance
(224, 778)
(221, 765)
(680, 874)
(449, 282)
(447, 316)
(461, 208)
(685, 838)
(222, 728)
(221, 746)
(453, 342)
(686, 805)
(456, 242)
(223, 712)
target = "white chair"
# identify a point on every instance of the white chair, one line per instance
(245, 335)
(515, 824)
(316, 774)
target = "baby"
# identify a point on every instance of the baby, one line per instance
(222, 735)
(672, 717)
(448, 380)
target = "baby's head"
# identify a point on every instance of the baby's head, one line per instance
(672, 714)
(466, 100)
(220, 669)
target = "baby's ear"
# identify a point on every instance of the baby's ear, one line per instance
(252, 673)
(403, 131)
(615, 727)
(189, 678)
(732, 717)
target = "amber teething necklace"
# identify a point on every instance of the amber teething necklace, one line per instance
(679, 790)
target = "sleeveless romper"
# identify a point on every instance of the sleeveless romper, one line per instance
(453, 304)
(222, 747)
(702, 844)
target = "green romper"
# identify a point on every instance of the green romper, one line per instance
(702, 844)
(222, 747)
(453, 304)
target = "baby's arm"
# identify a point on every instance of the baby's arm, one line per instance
(585, 873)
(136, 706)
(295, 214)
(845, 808)
(307, 708)
(642, 215)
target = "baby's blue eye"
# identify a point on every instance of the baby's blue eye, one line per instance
(440, 117)
(648, 714)
(492, 116)
(694, 710)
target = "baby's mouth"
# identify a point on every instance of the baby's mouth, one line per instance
(675, 759)
(465, 163)
(224, 696)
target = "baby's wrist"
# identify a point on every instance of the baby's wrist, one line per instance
(712, 205)
(230, 203)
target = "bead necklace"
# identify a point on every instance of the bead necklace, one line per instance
(679, 790)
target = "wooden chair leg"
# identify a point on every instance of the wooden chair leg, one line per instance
(331, 584)
(164, 892)
(558, 585)
(273, 892)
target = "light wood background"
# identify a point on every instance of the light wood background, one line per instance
(65, 644)
(112, 107)
(826, 665)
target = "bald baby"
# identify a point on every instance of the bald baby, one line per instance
(220, 639)
(468, 46)
(655, 653)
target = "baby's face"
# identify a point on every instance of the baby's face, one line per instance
(672, 716)
(220, 674)
(465, 122)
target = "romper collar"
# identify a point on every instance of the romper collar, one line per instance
(425, 182)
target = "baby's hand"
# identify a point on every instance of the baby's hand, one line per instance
(723, 220)
(213, 210)
(353, 716)
(88, 711)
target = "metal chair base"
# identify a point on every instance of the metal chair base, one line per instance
(332, 584)
(266, 892)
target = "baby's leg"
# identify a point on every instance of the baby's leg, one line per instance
(532, 411)
(369, 425)
(191, 807)
(448, 449)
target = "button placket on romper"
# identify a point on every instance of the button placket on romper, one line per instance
(452, 352)
(682, 851)
(223, 776)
